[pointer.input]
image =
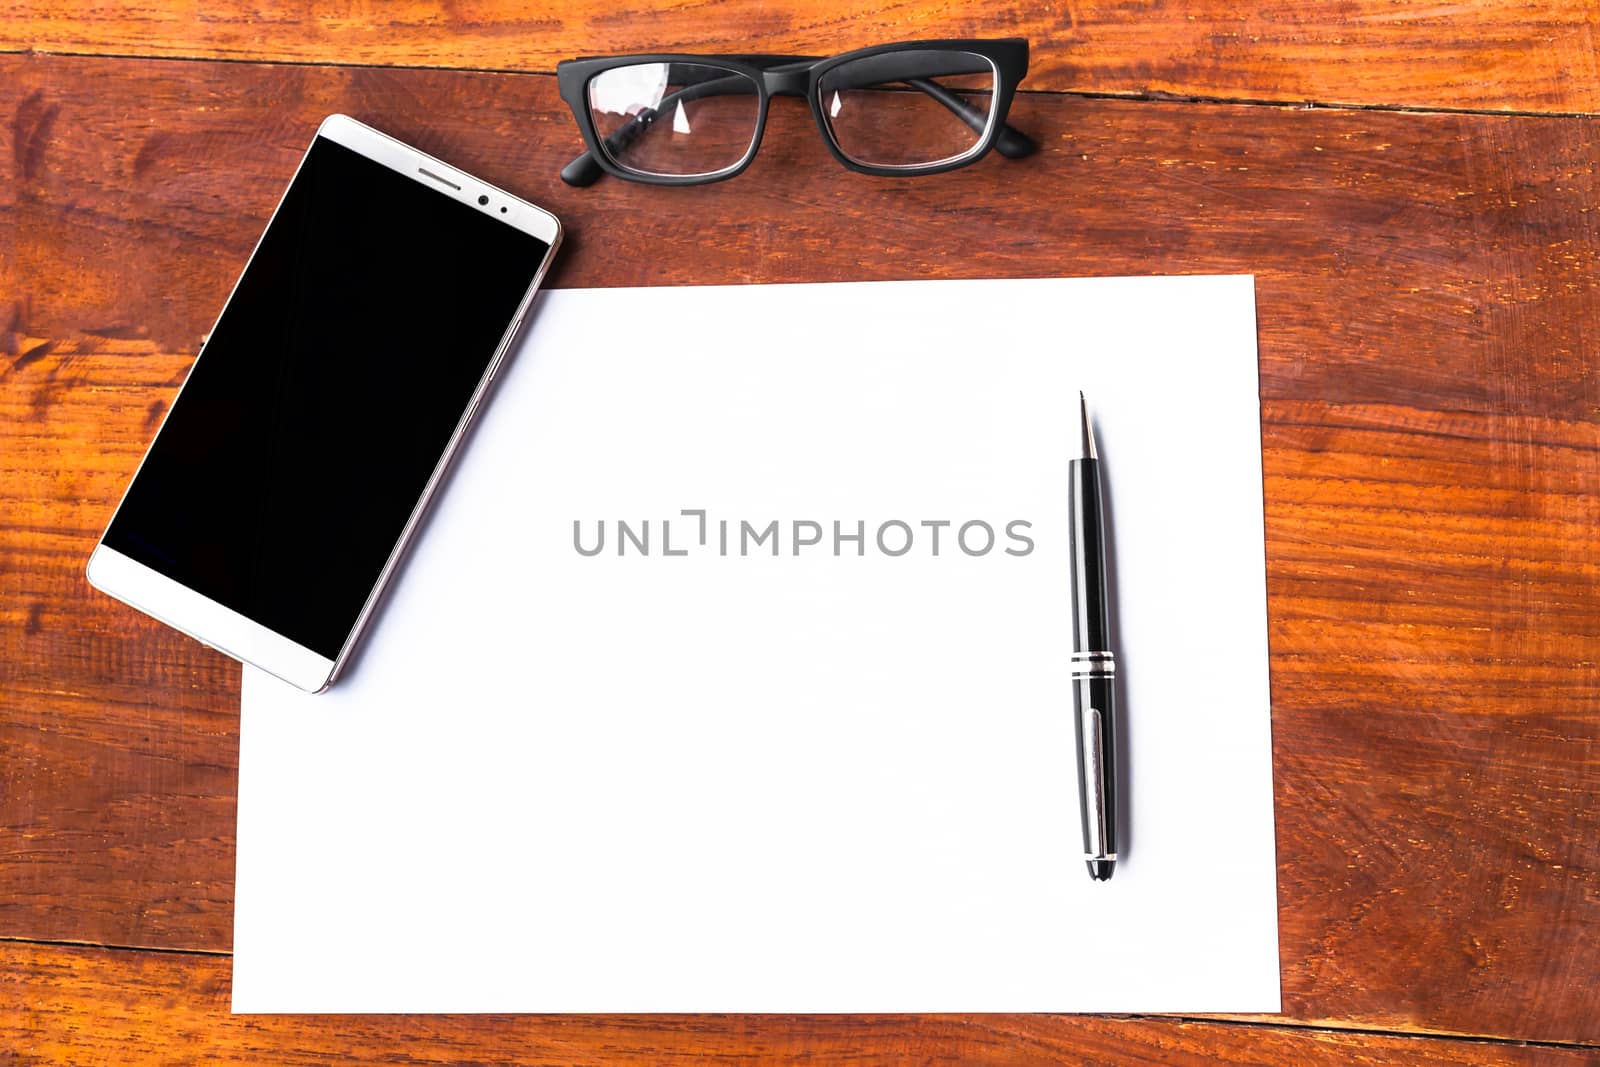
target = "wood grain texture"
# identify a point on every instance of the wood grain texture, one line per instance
(120, 771)
(88, 1006)
(1496, 54)
(1431, 418)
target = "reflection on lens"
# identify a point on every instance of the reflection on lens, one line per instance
(676, 119)
(909, 109)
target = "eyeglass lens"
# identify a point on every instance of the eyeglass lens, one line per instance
(912, 108)
(674, 119)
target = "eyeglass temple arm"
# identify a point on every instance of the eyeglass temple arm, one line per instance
(1012, 143)
(583, 170)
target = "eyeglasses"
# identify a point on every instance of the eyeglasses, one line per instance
(899, 109)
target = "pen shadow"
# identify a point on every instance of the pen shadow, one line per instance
(1124, 760)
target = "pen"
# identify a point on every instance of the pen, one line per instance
(1094, 668)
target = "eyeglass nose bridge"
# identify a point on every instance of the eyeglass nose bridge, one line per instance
(786, 82)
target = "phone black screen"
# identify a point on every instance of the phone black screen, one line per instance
(325, 396)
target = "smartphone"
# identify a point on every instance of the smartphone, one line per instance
(324, 406)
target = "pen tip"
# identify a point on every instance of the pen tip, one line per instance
(1085, 442)
(1100, 870)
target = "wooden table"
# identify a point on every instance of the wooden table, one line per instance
(1415, 187)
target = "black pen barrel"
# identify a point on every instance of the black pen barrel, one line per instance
(1090, 632)
(1093, 671)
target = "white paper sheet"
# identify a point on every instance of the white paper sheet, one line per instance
(813, 783)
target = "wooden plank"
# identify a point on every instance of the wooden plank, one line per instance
(84, 1005)
(1426, 304)
(1499, 54)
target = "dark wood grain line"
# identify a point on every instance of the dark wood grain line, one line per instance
(25, 942)
(1334, 1026)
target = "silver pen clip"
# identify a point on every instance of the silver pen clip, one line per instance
(1095, 781)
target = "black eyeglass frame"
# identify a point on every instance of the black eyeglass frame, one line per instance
(797, 76)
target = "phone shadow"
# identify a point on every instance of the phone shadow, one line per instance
(1125, 709)
(357, 661)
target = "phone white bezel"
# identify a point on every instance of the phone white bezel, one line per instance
(229, 631)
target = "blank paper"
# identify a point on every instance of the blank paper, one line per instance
(840, 778)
